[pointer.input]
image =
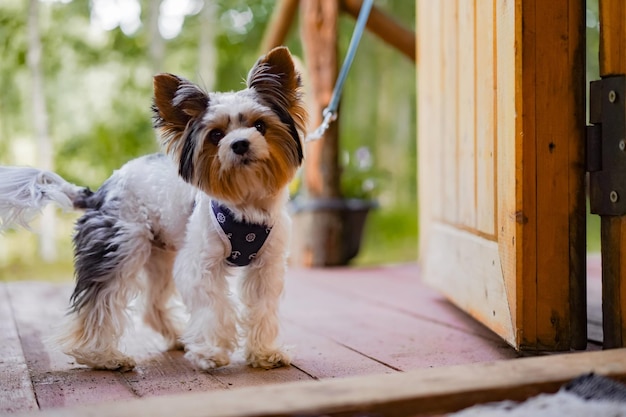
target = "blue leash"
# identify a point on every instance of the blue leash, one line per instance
(330, 112)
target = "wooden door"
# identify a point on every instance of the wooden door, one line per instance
(501, 169)
(613, 62)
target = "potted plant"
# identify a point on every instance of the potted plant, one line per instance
(360, 185)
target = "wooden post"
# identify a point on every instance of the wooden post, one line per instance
(613, 229)
(279, 24)
(318, 231)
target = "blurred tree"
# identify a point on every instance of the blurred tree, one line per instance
(47, 235)
(156, 42)
(207, 53)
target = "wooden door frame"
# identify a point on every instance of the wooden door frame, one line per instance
(613, 228)
(551, 135)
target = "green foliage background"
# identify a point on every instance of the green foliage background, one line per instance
(98, 95)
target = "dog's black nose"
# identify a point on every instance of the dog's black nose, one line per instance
(240, 146)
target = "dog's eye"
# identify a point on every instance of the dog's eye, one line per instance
(216, 135)
(260, 126)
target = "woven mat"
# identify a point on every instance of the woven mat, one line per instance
(588, 395)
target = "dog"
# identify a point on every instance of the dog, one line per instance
(214, 203)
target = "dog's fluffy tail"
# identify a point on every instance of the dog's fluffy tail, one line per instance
(25, 191)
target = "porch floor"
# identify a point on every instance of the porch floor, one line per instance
(340, 322)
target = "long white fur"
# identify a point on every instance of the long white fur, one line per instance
(25, 191)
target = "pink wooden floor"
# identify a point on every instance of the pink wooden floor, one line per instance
(340, 322)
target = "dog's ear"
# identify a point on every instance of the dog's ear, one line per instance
(177, 101)
(275, 78)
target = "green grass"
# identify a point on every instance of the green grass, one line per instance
(60, 271)
(391, 236)
(20, 260)
(593, 232)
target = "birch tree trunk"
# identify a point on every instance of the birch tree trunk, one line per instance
(207, 54)
(157, 44)
(47, 236)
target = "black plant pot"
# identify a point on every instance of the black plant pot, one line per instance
(352, 214)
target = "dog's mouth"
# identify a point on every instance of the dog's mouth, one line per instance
(246, 161)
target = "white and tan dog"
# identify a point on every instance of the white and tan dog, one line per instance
(185, 222)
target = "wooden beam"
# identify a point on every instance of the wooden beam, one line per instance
(420, 392)
(613, 228)
(278, 27)
(318, 239)
(385, 28)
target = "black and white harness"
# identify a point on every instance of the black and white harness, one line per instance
(245, 239)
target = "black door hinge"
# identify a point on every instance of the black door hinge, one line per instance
(606, 146)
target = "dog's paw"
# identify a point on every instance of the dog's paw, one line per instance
(112, 361)
(124, 364)
(268, 359)
(208, 360)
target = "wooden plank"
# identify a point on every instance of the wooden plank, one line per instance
(449, 112)
(486, 117)
(159, 372)
(57, 380)
(484, 296)
(553, 82)
(466, 83)
(429, 121)
(389, 336)
(577, 197)
(526, 152)
(398, 288)
(238, 374)
(435, 390)
(321, 357)
(16, 389)
(166, 373)
(613, 229)
(509, 156)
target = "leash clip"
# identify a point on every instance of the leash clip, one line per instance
(329, 117)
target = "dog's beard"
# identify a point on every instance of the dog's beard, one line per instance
(245, 181)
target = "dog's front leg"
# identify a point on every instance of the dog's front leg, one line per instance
(211, 334)
(260, 291)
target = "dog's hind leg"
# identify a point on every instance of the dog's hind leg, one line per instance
(109, 254)
(160, 290)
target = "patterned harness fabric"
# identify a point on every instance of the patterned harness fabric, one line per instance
(246, 239)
